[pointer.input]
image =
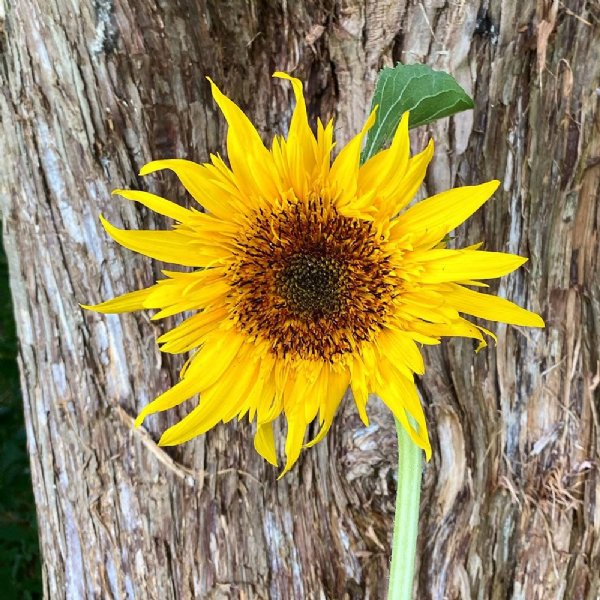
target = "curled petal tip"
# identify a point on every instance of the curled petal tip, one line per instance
(427, 453)
(494, 184)
(103, 221)
(148, 168)
(285, 470)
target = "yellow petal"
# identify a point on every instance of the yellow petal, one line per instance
(421, 338)
(323, 151)
(360, 389)
(209, 297)
(222, 398)
(239, 383)
(458, 328)
(386, 171)
(385, 163)
(168, 246)
(219, 354)
(432, 219)
(344, 171)
(296, 431)
(397, 198)
(301, 139)
(483, 343)
(204, 230)
(202, 185)
(191, 332)
(124, 303)
(260, 399)
(401, 350)
(400, 396)
(456, 265)
(251, 162)
(183, 390)
(305, 391)
(194, 381)
(373, 172)
(439, 314)
(337, 384)
(419, 436)
(315, 392)
(406, 391)
(197, 422)
(174, 291)
(157, 204)
(492, 308)
(202, 418)
(188, 291)
(264, 443)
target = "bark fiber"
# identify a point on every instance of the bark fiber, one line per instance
(91, 90)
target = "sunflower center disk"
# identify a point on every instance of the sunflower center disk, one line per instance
(311, 285)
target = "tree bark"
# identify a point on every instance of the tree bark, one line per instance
(93, 89)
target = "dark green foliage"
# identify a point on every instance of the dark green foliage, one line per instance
(20, 576)
(428, 94)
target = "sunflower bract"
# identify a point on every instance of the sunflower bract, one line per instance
(311, 276)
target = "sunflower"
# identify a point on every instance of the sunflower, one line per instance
(309, 275)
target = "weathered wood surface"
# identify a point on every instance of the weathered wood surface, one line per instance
(91, 90)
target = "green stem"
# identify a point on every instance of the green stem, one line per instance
(406, 520)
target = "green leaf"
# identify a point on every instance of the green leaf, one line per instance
(428, 94)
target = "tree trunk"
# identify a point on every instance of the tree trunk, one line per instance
(93, 89)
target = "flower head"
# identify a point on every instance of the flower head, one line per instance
(309, 276)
